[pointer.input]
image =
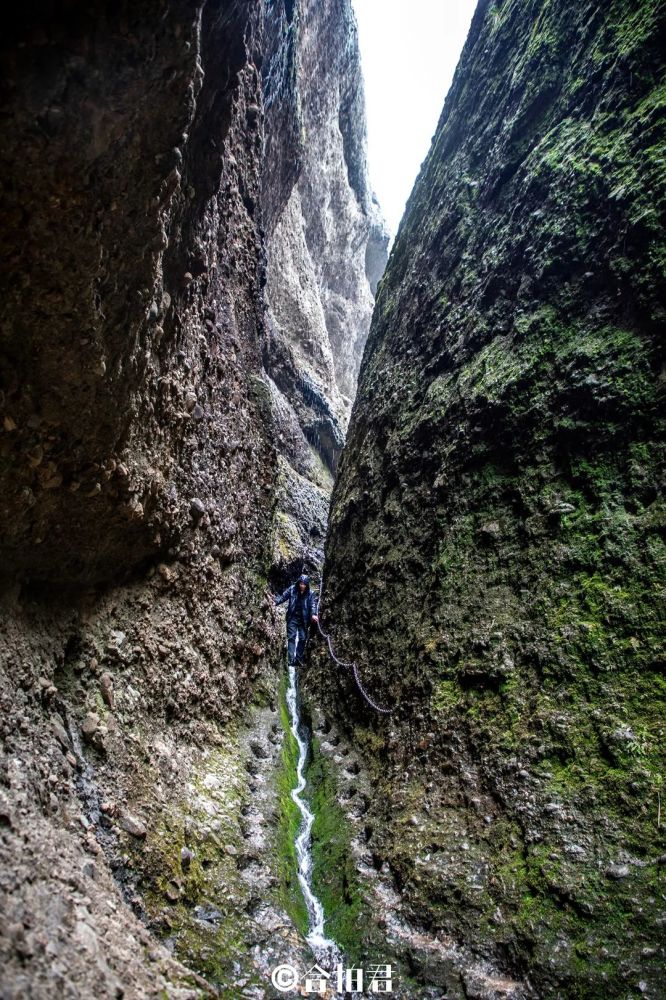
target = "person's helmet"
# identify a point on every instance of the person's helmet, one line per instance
(304, 579)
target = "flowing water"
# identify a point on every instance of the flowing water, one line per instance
(325, 949)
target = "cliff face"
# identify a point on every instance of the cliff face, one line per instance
(131, 329)
(326, 251)
(146, 152)
(137, 459)
(496, 528)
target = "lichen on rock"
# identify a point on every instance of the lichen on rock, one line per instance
(498, 506)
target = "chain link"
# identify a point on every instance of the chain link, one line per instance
(353, 668)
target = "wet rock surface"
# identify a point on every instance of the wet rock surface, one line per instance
(136, 442)
(498, 510)
(379, 925)
(217, 900)
(149, 457)
(190, 254)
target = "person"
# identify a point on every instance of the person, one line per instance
(301, 610)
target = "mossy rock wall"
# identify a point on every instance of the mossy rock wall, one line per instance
(496, 552)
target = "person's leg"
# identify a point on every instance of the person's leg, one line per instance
(301, 644)
(292, 632)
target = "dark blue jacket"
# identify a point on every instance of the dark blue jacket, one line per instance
(291, 594)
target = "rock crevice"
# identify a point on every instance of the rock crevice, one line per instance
(169, 426)
(327, 248)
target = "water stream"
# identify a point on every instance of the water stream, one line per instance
(325, 949)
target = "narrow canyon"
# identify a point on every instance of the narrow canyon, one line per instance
(215, 377)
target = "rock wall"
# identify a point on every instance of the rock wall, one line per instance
(132, 321)
(146, 152)
(327, 248)
(496, 528)
(138, 465)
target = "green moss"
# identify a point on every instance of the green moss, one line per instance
(368, 741)
(499, 499)
(634, 26)
(217, 948)
(287, 534)
(334, 876)
(289, 822)
(445, 696)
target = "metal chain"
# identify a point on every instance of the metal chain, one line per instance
(354, 671)
(364, 694)
(350, 666)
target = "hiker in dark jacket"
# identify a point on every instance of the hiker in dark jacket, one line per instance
(302, 610)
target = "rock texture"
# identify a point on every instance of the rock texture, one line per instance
(326, 251)
(132, 321)
(498, 508)
(146, 152)
(137, 461)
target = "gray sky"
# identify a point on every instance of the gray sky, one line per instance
(409, 51)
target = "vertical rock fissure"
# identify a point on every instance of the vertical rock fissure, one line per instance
(186, 295)
(324, 948)
(326, 248)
